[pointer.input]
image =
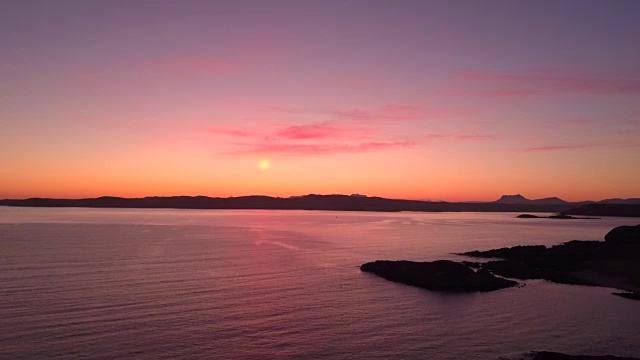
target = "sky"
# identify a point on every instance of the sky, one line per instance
(432, 100)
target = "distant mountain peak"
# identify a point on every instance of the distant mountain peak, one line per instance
(621, 201)
(512, 199)
(551, 200)
(519, 199)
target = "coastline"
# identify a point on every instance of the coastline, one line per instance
(611, 263)
(326, 202)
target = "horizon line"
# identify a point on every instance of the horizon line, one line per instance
(310, 194)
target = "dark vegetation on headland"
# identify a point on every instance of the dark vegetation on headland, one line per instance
(604, 209)
(510, 203)
(610, 263)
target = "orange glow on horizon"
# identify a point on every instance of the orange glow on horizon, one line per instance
(276, 102)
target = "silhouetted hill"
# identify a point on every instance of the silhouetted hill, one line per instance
(620, 201)
(550, 200)
(609, 263)
(519, 199)
(603, 209)
(307, 202)
(513, 199)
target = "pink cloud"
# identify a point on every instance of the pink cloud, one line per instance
(343, 131)
(558, 147)
(286, 109)
(543, 81)
(620, 142)
(355, 82)
(503, 92)
(575, 121)
(349, 81)
(308, 139)
(322, 130)
(323, 149)
(388, 112)
(463, 137)
(322, 138)
(211, 65)
(226, 131)
(474, 137)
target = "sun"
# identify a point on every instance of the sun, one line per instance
(264, 164)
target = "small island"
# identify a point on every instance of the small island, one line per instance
(610, 263)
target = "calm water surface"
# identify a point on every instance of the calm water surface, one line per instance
(184, 284)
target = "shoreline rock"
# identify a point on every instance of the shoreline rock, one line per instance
(612, 263)
(441, 275)
(625, 236)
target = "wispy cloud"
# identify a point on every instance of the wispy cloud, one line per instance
(227, 131)
(322, 149)
(543, 81)
(306, 139)
(559, 147)
(462, 137)
(621, 143)
(321, 131)
(388, 112)
(199, 65)
(338, 131)
(500, 92)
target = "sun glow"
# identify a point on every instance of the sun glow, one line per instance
(264, 164)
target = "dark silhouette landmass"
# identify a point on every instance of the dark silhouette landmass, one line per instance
(624, 237)
(610, 263)
(307, 202)
(620, 201)
(628, 295)
(606, 209)
(549, 355)
(441, 275)
(559, 216)
(331, 202)
(519, 199)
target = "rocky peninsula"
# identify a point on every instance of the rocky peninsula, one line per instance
(610, 263)
(441, 275)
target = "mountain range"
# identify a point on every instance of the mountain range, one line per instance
(519, 199)
(507, 203)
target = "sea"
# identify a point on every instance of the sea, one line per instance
(267, 284)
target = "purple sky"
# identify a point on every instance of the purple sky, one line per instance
(453, 100)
